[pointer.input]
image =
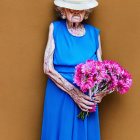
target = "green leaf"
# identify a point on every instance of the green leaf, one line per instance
(81, 115)
(87, 114)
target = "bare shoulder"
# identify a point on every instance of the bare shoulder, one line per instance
(51, 27)
(50, 36)
(99, 38)
(50, 43)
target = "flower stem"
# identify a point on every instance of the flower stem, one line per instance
(81, 115)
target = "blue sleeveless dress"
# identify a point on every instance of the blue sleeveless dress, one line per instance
(60, 120)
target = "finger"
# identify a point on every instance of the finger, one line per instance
(85, 106)
(97, 101)
(103, 92)
(100, 92)
(87, 97)
(84, 109)
(99, 96)
(87, 102)
(96, 98)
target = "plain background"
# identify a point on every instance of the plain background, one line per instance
(24, 26)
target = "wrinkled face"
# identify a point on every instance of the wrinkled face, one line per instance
(74, 15)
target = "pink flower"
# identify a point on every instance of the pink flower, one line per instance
(90, 60)
(112, 83)
(122, 87)
(108, 74)
(107, 64)
(126, 77)
(78, 74)
(112, 67)
(89, 68)
(86, 82)
(101, 71)
(124, 81)
(93, 108)
(101, 76)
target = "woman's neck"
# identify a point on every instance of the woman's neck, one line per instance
(73, 25)
(76, 29)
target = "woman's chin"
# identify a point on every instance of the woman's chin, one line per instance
(76, 19)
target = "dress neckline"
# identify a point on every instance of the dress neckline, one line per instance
(73, 35)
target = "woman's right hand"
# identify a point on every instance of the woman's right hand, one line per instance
(80, 99)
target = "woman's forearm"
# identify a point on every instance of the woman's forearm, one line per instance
(61, 82)
(49, 70)
(99, 51)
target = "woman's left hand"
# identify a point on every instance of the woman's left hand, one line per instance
(99, 96)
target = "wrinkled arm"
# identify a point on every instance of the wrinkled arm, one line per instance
(48, 67)
(99, 51)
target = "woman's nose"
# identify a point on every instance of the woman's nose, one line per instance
(76, 12)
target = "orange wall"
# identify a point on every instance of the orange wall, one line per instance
(23, 37)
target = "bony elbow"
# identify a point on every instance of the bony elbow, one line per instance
(47, 71)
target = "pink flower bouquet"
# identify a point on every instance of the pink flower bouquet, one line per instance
(95, 76)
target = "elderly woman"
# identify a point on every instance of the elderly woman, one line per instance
(70, 42)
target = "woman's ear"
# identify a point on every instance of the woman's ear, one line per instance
(62, 10)
(63, 13)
